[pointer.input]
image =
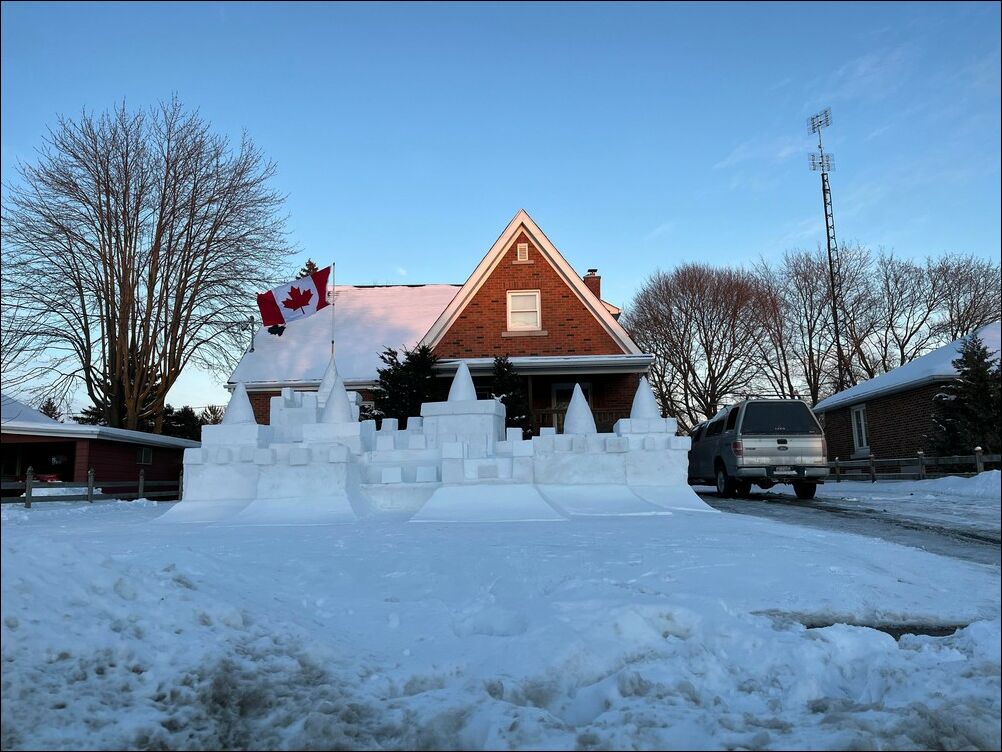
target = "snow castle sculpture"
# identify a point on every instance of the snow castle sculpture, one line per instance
(316, 462)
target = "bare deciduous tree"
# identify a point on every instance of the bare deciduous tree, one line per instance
(800, 336)
(907, 296)
(138, 238)
(702, 325)
(971, 294)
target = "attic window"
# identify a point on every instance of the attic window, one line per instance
(523, 310)
(522, 252)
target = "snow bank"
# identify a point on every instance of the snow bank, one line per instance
(643, 632)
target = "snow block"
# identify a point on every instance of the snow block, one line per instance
(453, 450)
(547, 431)
(299, 456)
(392, 475)
(264, 456)
(616, 444)
(193, 456)
(426, 474)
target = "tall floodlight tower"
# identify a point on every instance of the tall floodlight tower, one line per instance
(822, 162)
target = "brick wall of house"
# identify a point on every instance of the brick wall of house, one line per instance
(899, 425)
(570, 328)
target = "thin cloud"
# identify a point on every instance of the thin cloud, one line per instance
(763, 150)
(663, 229)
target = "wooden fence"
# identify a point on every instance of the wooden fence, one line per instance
(918, 467)
(166, 489)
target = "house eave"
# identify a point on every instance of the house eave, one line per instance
(72, 431)
(833, 403)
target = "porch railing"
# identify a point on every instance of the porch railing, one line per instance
(554, 416)
(165, 489)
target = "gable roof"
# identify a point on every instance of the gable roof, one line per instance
(522, 222)
(367, 319)
(930, 368)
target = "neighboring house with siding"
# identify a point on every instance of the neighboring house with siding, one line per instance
(66, 451)
(890, 415)
(522, 300)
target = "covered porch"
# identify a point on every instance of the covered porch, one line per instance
(608, 382)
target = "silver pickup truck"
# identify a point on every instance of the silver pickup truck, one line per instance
(760, 441)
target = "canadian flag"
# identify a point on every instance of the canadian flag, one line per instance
(295, 300)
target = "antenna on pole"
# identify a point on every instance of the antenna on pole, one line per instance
(822, 162)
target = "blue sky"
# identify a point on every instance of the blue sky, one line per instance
(637, 136)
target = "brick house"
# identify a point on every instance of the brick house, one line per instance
(66, 451)
(522, 300)
(890, 415)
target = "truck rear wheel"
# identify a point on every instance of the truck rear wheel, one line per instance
(805, 491)
(725, 483)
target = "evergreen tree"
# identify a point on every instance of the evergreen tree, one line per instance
(308, 268)
(50, 409)
(405, 383)
(509, 387)
(182, 423)
(966, 412)
(211, 415)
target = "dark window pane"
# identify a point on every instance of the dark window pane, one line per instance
(778, 418)
(732, 418)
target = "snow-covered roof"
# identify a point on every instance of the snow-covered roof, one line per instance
(14, 410)
(934, 366)
(77, 431)
(366, 321)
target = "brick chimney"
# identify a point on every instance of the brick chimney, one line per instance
(594, 282)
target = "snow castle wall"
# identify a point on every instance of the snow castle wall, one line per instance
(455, 462)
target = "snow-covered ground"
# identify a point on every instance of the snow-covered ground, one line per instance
(641, 632)
(974, 503)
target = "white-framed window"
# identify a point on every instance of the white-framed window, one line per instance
(522, 251)
(144, 456)
(523, 310)
(860, 434)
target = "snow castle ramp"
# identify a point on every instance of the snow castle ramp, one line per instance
(330, 509)
(514, 502)
(598, 500)
(676, 498)
(205, 511)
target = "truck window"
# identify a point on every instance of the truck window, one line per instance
(732, 418)
(778, 419)
(698, 433)
(715, 428)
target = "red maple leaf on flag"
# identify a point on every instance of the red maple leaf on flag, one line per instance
(298, 299)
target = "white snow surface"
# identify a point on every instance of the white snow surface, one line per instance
(15, 410)
(366, 321)
(937, 365)
(657, 632)
(958, 502)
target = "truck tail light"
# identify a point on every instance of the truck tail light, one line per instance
(824, 447)
(739, 448)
